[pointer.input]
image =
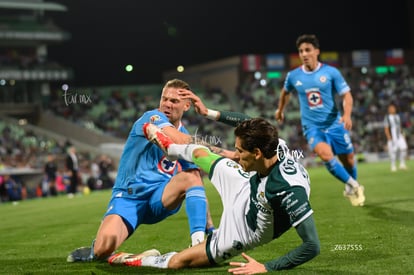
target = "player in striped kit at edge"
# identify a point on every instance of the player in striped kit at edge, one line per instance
(396, 142)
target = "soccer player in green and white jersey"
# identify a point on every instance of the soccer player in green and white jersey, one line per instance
(264, 194)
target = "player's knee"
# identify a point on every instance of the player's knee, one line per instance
(325, 156)
(176, 263)
(324, 152)
(193, 178)
(106, 246)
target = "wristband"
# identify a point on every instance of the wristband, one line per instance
(212, 114)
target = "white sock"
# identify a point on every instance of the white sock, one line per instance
(157, 261)
(197, 237)
(393, 158)
(183, 151)
(353, 183)
(403, 155)
(348, 188)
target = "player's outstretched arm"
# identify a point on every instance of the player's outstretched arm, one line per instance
(309, 248)
(226, 117)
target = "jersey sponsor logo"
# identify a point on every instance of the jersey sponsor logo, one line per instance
(244, 174)
(298, 83)
(295, 213)
(314, 99)
(155, 118)
(260, 207)
(235, 165)
(167, 166)
(289, 167)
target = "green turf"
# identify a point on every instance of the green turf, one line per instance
(37, 235)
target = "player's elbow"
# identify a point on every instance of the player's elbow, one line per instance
(314, 248)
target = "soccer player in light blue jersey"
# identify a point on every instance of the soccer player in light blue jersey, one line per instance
(326, 130)
(149, 186)
(264, 194)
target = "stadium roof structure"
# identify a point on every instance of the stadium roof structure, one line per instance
(32, 5)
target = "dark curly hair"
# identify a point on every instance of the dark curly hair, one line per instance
(258, 133)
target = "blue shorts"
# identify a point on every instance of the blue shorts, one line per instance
(136, 211)
(336, 136)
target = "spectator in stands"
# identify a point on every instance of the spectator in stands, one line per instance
(149, 187)
(396, 142)
(3, 191)
(13, 188)
(105, 166)
(326, 131)
(72, 168)
(93, 181)
(50, 171)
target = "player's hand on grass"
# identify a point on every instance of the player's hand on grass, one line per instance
(251, 267)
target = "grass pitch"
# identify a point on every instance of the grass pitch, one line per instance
(37, 235)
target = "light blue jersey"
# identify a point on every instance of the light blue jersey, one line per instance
(316, 91)
(143, 166)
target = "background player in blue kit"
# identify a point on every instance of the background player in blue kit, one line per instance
(149, 187)
(326, 131)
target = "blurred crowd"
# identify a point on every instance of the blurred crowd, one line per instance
(372, 91)
(114, 112)
(22, 153)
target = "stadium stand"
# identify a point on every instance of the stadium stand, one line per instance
(40, 116)
(26, 78)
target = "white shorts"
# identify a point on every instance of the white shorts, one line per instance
(397, 144)
(232, 183)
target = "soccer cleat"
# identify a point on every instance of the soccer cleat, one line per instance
(360, 195)
(393, 168)
(356, 196)
(81, 254)
(403, 166)
(130, 259)
(155, 135)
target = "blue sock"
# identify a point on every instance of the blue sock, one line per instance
(196, 208)
(352, 171)
(336, 169)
